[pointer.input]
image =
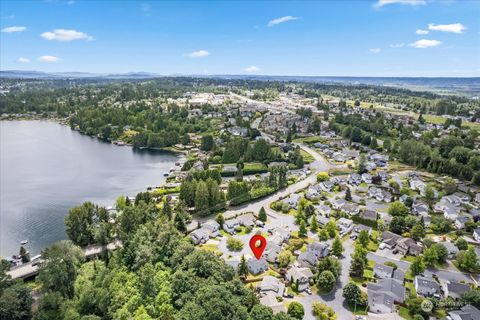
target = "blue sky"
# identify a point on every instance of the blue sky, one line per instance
(324, 38)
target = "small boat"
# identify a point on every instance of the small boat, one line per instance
(23, 242)
(166, 174)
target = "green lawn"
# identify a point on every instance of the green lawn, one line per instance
(307, 157)
(403, 312)
(357, 310)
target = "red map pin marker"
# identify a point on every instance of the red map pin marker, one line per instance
(258, 249)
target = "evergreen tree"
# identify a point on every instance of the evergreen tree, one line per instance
(262, 215)
(242, 267)
(302, 232)
(417, 267)
(179, 223)
(337, 247)
(313, 224)
(24, 255)
(166, 210)
(201, 198)
(348, 194)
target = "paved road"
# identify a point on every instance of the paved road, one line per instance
(28, 269)
(442, 274)
(320, 164)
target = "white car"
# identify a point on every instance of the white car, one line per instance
(382, 246)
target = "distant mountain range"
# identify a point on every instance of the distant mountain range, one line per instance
(468, 86)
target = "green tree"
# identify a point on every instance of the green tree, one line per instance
(326, 281)
(417, 267)
(329, 264)
(233, 244)
(59, 268)
(461, 244)
(331, 228)
(417, 232)
(260, 312)
(220, 219)
(363, 238)
(242, 267)
(16, 302)
(302, 232)
(207, 142)
(201, 198)
(397, 208)
(468, 260)
(313, 224)
(24, 255)
(262, 215)
(323, 235)
(323, 312)
(337, 247)
(296, 310)
(353, 294)
(284, 258)
(348, 194)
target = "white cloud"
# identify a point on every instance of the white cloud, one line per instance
(65, 35)
(375, 50)
(382, 3)
(14, 29)
(198, 54)
(425, 43)
(274, 22)
(421, 31)
(48, 58)
(71, 2)
(397, 45)
(23, 60)
(454, 27)
(251, 69)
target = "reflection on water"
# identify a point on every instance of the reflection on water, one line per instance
(46, 168)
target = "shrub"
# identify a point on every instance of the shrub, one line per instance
(234, 244)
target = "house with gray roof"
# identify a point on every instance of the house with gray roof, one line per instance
(257, 266)
(300, 276)
(382, 271)
(270, 300)
(272, 284)
(369, 215)
(467, 312)
(455, 289)
(230, 225)
(383, 295)
(307, 259)
(271, 252)
(426, 287)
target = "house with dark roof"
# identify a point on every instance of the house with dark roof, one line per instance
(455, 289)
(426, 287)
(383, 295)
(467, 312)
(369, 215)
(272, 284)
(382, 271)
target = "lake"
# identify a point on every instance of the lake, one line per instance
(47, 168)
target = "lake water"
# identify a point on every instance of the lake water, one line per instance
(47, 168)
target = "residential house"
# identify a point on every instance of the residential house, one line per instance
(419, 207)
(467, 312)
(292, 200)
(426, 287)
(369, 215)
(451, 249)
(345, 226)
(455, 289)
(272, 284)
(476, 234)
(300, 277)
(324, 210)
(315, 251)
(271, 251)
(460, 221)
(382, 271)
(322, 220)
(338, 204)
(326, 186)
(358, 228)
(199, 236)
(313, 192)
(390, 239)
(367, 178)
(351, 209)
(379, 194)
(354, 179)
(408, 246)
(270, 300)
(383, 295)
(257, 266)
(418, 185)
(246, 220)
(230, 225)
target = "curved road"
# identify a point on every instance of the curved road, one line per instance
(320, 164)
